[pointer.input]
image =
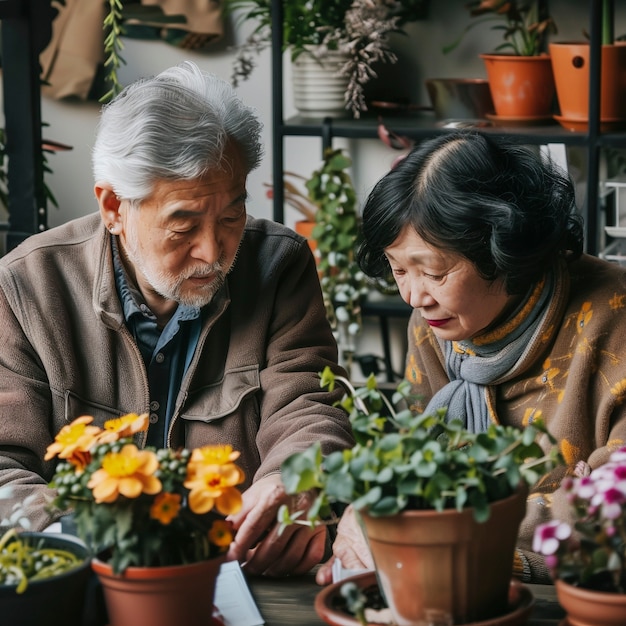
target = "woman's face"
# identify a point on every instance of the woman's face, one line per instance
(446, 288)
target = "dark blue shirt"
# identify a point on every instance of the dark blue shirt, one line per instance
(166, 351)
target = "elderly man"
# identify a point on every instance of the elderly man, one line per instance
(172, 301)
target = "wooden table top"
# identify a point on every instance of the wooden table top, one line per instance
(290, 602)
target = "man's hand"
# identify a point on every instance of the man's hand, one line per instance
(350, 547)
(257, 544)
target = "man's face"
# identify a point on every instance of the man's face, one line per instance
(183, 239)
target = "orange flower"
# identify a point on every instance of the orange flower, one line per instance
(213, 455)
(165, 507)
(221, 533)
(74, 441)
(125, 426)
(214, 486)
(129, 472)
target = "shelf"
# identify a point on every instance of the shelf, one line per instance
(423, 125)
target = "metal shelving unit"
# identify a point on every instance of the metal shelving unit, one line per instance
(26, 29)
(424, 126)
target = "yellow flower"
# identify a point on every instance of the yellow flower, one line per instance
(74, 441)
(214, 486)
(213, 455)
(129, 472)
(165, 507)
(125, 426)
(221, 533)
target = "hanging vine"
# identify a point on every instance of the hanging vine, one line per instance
(113, 45)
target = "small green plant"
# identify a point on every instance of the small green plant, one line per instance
(523, 28)
(403, 460)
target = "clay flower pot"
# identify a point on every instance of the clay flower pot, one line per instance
(570, 62)
(521, 87)
(585, 607)
(429, 560)
(160, 596)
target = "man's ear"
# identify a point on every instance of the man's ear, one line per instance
(109, 205)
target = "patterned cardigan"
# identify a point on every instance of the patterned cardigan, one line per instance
(576, 381)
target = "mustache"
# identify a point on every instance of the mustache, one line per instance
(205, 270)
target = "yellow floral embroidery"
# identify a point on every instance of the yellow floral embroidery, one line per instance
(530, 415)
(570, 452)
(619, 390)
(617, 301)
(614, 444)
(584, 316)
(413, 373)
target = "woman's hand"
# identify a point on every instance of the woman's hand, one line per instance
(350, 547)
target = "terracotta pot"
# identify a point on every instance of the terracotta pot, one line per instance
(585, 607)
(521, 87)
(160, 596)
(305, 228)
(446, 562)
(55, 601)
(570, 63)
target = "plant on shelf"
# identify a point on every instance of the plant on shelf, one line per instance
(523, 28)
(358, 28)
(335, 234)
(144, 507)
(415, 472)
(519, 71)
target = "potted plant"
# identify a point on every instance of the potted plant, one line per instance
(433, 497)
(587, 558)
(299, 199)
(43, 576)
(335, 235)
(346, 37)
(154, 518)
(519, 71)
(570, 64)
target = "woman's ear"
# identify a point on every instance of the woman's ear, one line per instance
(109, 204)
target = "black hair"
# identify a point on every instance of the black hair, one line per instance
(500, 205)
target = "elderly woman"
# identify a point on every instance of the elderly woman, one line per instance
(511, 321)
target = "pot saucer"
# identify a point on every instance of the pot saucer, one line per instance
(533, 120)
(328, 604)
(581, 125)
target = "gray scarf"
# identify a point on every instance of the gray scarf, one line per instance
(491, 358)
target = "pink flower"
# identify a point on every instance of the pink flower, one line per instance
(548, 537)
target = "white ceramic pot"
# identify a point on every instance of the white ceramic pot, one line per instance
(317, 89)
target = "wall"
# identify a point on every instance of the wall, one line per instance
(420, 55)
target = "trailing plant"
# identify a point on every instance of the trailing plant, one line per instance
(336, 231)
(359, 28)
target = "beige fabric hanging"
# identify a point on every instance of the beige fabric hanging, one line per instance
(76, 49)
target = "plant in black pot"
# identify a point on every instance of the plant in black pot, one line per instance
(43, 576)
(433, 497)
